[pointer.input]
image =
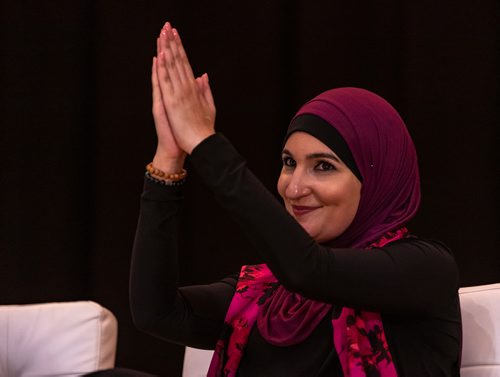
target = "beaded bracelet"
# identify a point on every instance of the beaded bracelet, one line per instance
(159, 174)
(179, 182)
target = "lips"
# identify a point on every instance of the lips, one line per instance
(302, 210)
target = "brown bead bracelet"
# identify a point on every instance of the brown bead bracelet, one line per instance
(159, 174)
(164, 182)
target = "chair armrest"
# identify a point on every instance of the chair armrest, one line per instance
(70, 339)
(480, 306)
(196, 362)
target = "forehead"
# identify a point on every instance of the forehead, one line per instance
(302, 142)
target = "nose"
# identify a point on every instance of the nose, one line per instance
(298, 185)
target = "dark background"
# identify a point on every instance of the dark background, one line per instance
(77, 129)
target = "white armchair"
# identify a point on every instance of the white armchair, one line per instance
(56, 339)
(196, 362)
(481, 330)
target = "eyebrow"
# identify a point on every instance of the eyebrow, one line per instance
(312, 156)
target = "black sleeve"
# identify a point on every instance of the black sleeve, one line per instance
(411, 275)
(191, 316)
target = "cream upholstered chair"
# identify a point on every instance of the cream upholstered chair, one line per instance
(481, 330)
(480, 307)
(196, 362)
(56, 339)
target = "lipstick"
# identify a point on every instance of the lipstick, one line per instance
(302, 210)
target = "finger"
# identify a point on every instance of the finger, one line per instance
(200, 83)
(177, 59)
(166, 26)
(188, 71)
(207, 92)
(169, 62)
(163, 76)
(161, 41)
(158, 108)
(155, 82)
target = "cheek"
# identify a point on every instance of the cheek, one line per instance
(350, 201)
(355, 194)
(345, 197)
(281, 185)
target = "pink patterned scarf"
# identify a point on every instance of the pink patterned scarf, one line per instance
(358, 336)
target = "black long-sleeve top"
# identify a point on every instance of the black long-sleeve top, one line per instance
(412, 282)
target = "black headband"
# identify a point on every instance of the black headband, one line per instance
(328, 135)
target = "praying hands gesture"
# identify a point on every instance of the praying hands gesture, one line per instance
(183, 106)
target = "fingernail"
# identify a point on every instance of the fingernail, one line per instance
(174, 32)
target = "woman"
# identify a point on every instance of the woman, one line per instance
(345, 289)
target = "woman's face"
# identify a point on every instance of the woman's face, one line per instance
(319, 191)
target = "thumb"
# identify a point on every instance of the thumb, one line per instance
(207, 92)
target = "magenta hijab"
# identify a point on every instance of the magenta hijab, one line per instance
(384, 154)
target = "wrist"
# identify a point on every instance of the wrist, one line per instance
(198, 139)
(168, 164)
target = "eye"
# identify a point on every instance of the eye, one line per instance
(324, 166)
(288, 161)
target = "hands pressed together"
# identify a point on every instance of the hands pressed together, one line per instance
(183, 106)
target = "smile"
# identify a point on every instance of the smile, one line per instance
(302, 210)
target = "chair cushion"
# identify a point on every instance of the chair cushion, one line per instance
(480, 307)
(55, 339)
(196, 362)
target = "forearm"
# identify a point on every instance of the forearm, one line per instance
(382, 279)
(190, 315)
(154, 270)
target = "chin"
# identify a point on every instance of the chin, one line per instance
(323, 238)
(313, 233)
